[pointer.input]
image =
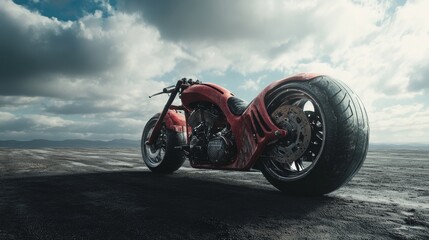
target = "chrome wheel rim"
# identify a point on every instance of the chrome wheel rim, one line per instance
(293, 157)
(154, 154)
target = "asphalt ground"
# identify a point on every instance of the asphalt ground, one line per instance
(110, 194)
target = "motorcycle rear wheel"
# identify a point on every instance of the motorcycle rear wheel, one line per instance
(162, 156)
(328, 136)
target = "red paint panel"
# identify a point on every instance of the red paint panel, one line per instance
(175, 121)
(249, 143)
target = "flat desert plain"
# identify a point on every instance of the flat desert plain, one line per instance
(109, 194)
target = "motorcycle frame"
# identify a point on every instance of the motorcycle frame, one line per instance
(252, 131)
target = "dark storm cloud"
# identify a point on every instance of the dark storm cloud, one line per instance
(188, 18)
(32, 55)
(215, 20)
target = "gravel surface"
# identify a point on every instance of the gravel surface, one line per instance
(110, 194)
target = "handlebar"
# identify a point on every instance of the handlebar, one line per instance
(176, 87)
(168, 89)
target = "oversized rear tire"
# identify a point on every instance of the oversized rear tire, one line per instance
(328, 136)
(162, 156)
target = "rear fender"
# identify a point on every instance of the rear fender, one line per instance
(257, 129)
(297, 77)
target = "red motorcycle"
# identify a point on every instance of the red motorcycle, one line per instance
(308, 134)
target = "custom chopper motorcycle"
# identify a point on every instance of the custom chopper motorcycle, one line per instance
(308, 134)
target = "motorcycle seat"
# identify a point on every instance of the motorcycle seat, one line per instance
(237, 106)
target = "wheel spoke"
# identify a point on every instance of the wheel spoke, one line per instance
(288, 165)
(298, 165)
(319, 136)
(300, 103)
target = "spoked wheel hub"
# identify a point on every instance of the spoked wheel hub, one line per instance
(294, 120)
(156, 152)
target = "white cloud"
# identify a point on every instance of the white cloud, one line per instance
(12, 102)
(99, 69)
(85, 57)
(46, 122)
(379, 48)
(39, 122)
(6, 116)
(252, 84)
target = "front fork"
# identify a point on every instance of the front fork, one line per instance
(157, 128)
(182, 83)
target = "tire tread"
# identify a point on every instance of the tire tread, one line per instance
(348, 139)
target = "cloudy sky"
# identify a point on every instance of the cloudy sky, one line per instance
(83, 69)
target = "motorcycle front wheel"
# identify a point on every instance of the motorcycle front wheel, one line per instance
(163, 156)
(327, 140)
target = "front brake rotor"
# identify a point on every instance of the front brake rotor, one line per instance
(294, 120)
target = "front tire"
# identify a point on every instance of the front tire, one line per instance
(327, 140)
(162, 156)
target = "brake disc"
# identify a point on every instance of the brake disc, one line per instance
(294, 120)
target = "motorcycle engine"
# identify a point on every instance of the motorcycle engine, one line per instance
(211, 140)
(220, 148)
